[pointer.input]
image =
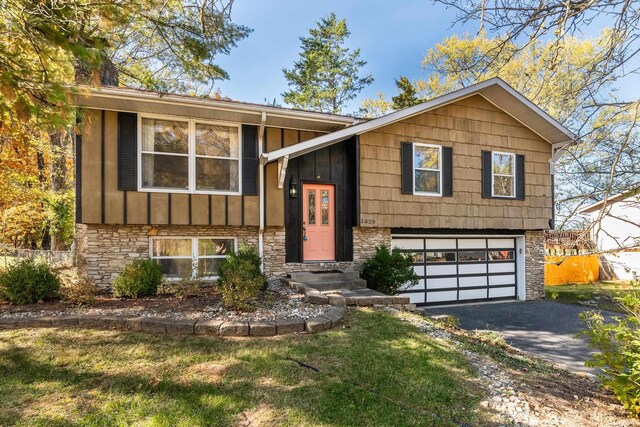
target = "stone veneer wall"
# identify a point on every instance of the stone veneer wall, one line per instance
(534, 264)
(103, 250)
(365, 240)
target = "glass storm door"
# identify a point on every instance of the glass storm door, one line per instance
(318, 223)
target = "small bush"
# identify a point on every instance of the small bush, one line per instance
(81, 292)
(618, 346)
(27, 282)
(140, 278)
(240, 279)
(184, 288)
(388, 270)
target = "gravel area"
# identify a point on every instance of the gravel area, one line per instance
(527, 399)
(278, 302)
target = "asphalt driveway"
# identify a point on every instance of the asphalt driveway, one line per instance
(543, 328)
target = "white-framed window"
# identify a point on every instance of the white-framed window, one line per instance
(503, 174)
(188, 156)
(427, 169)
(190, 257)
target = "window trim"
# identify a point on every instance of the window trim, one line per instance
(513, 176)
(191, 155)
(413, 169)
(194, 253)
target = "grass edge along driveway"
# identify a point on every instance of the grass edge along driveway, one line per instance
(375, 370)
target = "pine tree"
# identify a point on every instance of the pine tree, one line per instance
(407, 96)
(327, 75)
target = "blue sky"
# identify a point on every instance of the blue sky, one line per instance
(393, 37)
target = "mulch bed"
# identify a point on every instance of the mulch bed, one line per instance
(277, 302)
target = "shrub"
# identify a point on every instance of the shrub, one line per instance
(82, 292)
(139, 278)
(618, 346)
(186, 287)
(388, 270)
(27, 282)
(240, 279)
(75, 290)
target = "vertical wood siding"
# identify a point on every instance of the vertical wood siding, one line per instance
(98, 181)
(469, 126)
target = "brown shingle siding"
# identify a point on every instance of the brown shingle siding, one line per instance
(469, 126)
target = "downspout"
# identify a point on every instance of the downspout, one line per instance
(261, 186)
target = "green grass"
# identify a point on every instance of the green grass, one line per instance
(602, 294)
(375, 370)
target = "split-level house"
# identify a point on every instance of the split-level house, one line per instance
(463, 182)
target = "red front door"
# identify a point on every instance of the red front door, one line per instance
(318, 222)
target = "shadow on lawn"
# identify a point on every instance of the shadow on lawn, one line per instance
(375, 370)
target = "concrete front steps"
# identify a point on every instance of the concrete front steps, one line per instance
(329, 280)
(342, 288)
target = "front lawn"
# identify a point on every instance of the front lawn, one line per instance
(597, 295)
(375, 370)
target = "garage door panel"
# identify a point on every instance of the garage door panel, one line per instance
(500, 243)
(507, 279)
(441, 243)
(415, 298)
(506, 267)
(466, 282)
(445, 282)
(441, 270)
(502, 292)
(416, 287)
(419, 270)
(473, 294)
(472, 268)
(407, 244)
(443, 296)
(472, 243)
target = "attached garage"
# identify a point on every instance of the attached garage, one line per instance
(461, 269)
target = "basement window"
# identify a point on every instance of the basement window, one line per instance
(190, 257)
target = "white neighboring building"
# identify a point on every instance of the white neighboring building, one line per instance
(617, 227)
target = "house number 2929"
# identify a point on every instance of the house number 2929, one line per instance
(367, 221)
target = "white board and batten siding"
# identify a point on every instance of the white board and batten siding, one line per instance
(460, 269)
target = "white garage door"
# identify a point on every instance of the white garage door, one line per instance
(461, 269)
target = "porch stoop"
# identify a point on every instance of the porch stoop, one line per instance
(330, 280)
(342, 288)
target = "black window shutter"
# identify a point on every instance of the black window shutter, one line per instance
(447, 171)
(486, 174)
(407, 168)
(520, 177)
(249, 160)
(127, 151)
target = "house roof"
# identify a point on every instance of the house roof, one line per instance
(141, 101)
(611, 200)
(494, 90)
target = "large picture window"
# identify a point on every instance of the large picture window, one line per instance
(427, 169)
(190, 257)
(503, 172)
(189, 156)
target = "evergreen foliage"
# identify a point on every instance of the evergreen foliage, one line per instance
(327, 75)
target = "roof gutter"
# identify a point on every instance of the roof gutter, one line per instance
(113, 93)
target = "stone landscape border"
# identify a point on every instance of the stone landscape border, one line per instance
(158, 325)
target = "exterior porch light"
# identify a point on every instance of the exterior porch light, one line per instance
(293, 189)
